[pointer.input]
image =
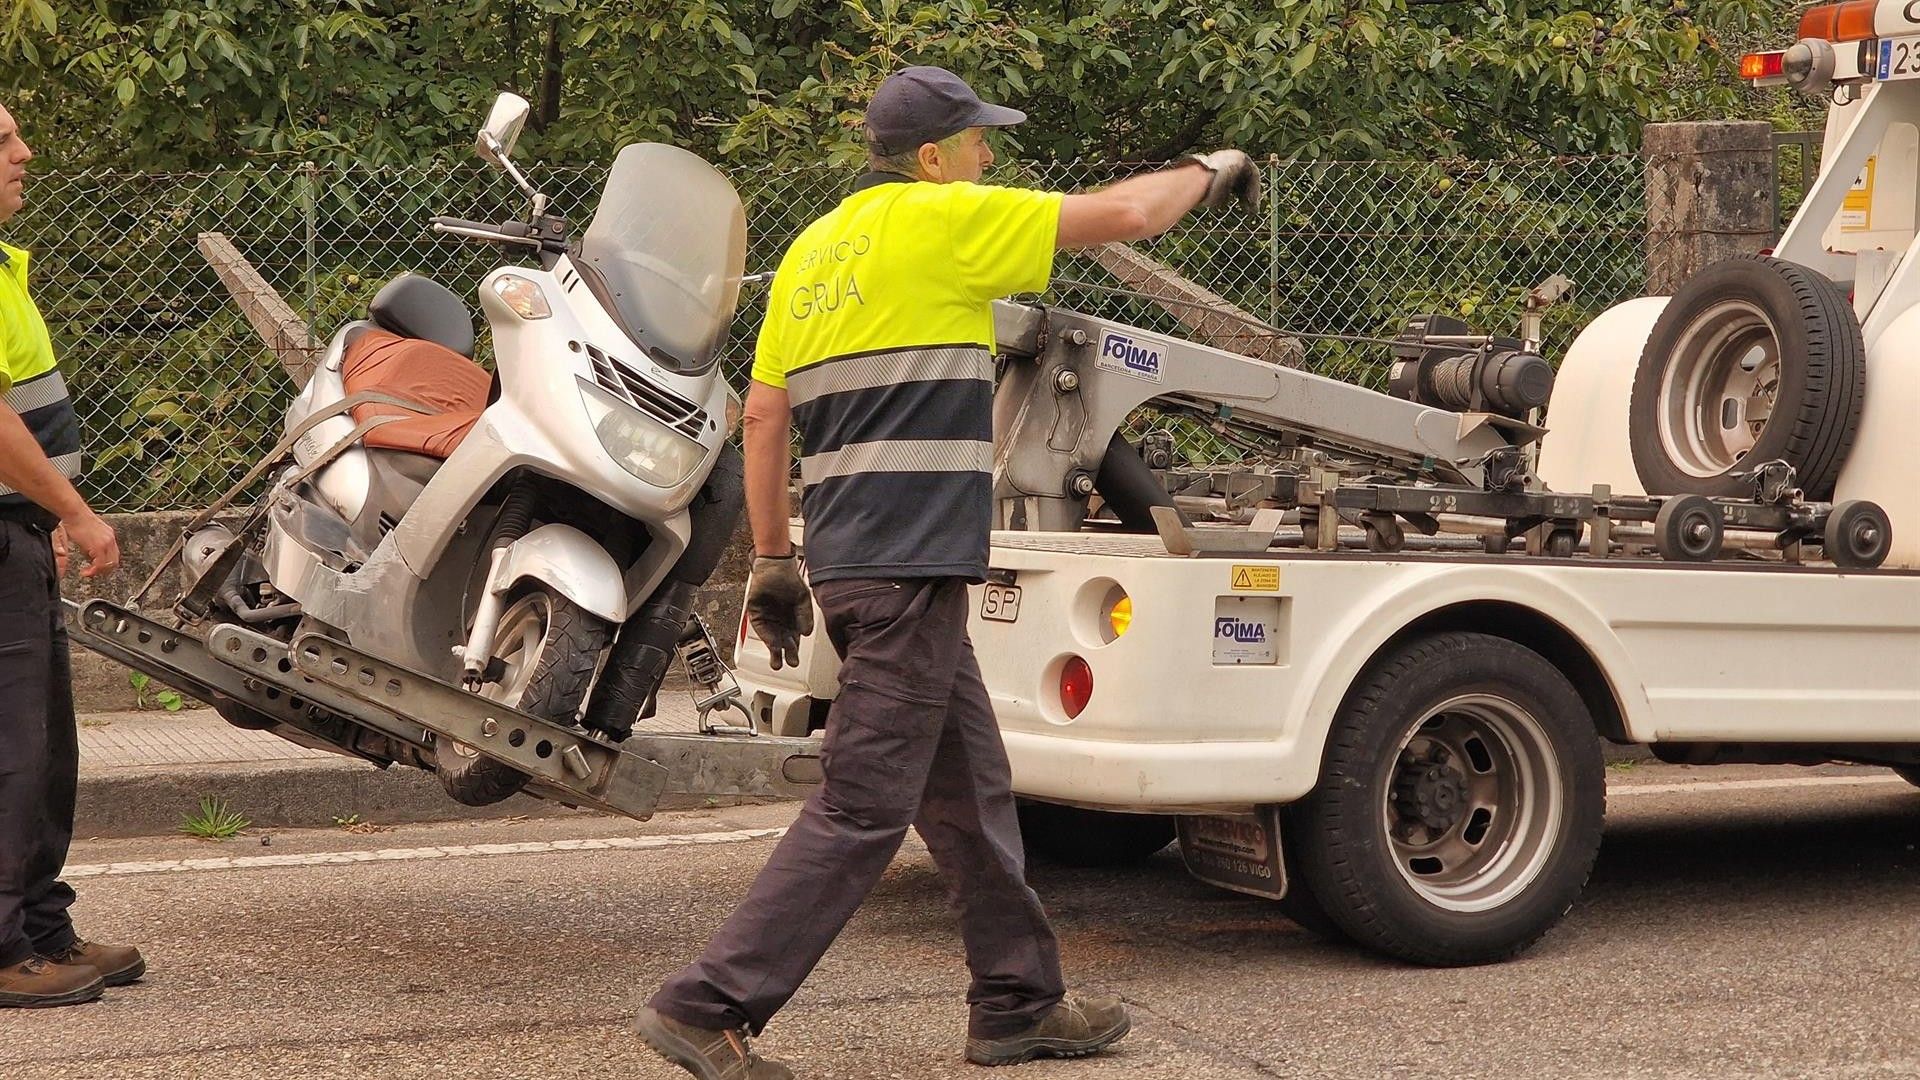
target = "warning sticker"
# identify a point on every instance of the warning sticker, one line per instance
(1256, 578)
(1856, 211)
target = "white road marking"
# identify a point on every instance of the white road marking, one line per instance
(341, 858)
(1693, 786)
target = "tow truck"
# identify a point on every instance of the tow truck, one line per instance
(1367, 670)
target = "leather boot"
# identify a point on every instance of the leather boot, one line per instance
(117, 964)
(1074, 1028)
(707, 1054)
(37, 983)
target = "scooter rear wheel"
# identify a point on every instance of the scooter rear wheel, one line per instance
(547, 648)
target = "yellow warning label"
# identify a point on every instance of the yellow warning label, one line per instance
(1256, 578)
(1856, 211)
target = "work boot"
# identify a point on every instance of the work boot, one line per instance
(1074, 1028)
(117, 964)
(707, 1054)
(38, 983)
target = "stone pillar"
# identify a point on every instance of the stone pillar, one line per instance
(1709, 196)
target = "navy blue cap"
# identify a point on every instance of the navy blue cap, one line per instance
(920, 105)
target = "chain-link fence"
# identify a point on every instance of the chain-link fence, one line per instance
(178, 395)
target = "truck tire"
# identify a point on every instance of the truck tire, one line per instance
(1070, 836)
(1460, 802)
(550, 648)
(1300, 904)
(1755, 359)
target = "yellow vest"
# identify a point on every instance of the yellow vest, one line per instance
(880, 328)
(26, 350)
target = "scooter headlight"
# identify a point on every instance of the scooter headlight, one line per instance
(642, 445)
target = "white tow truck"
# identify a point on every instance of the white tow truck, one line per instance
(1367, 672)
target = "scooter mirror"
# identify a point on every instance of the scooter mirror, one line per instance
(502, 129)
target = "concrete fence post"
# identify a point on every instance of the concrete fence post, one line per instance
(1709, 195)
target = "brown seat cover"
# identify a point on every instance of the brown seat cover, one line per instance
(415, 370)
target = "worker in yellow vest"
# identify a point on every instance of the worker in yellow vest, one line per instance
(878, 345)
(42, 962)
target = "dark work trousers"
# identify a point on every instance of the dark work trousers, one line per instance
(911, 741)
(39, 749)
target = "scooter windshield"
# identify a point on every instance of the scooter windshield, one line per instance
(665, 252)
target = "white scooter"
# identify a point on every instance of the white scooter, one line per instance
(535, 535)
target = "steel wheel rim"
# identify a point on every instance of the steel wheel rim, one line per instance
(518, 642)
(1721, 388)
(1485, 843)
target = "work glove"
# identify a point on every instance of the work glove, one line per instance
(780, 607)
(1236, 178)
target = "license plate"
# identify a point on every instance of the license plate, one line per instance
(1001, 603)
(1239, 852)
(1899, 59)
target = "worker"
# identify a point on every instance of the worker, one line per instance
(42, 963)
(877, 345)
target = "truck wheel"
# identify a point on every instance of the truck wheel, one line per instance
(1300, 904)
(1460, 802)
(1070, 836)
(1754, 359)
(547, 648)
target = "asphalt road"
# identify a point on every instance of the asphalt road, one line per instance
(1763, 931)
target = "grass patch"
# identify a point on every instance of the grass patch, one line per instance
(215, 820)
(149, 694)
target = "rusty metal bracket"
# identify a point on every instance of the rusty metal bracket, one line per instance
(589, 772)
(565, 762)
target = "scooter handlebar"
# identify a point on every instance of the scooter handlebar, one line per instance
(512, 232)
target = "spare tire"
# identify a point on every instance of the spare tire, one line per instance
(1754, 360)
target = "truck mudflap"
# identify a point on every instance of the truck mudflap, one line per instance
(317, 687)
(1236, 851)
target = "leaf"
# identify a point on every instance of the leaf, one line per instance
(1303, 59)
(124, 90)
(139, 679)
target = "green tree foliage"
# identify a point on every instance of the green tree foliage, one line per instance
(192, 83)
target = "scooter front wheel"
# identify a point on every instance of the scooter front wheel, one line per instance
(546, 648)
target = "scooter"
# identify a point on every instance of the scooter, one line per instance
(534, 535)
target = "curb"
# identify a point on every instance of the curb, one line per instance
(1614, 753)
(152, 800)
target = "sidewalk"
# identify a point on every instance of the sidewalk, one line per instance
(141, 773)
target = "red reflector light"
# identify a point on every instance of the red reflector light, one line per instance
(1855, 21)
(1766, 65)
(1821, 22)
(1076, 686)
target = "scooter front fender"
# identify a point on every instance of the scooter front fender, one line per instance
(573, 563)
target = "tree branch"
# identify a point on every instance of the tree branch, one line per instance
(1182, 140)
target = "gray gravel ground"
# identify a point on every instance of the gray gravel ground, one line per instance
(1762, 932)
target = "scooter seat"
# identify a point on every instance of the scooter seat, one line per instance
(419, 307)
(417, 370)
